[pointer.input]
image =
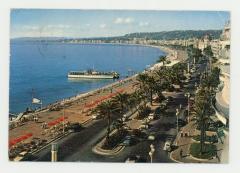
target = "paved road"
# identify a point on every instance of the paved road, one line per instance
(74, 142)
(78, 146)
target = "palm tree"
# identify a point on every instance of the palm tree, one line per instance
(147, 84)
(106, 108)
(118, 124)
(163, 81)
(162, 59)
(202, 111)
(121, 101)
(194, 53)
(209, 54)
(142, 78)
(151, 85)
(136, 98)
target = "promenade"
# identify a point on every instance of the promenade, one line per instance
(48, 125)
(184, 143)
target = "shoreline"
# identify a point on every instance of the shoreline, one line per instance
(168, 53)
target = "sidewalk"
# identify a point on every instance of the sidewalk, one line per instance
(184, 143)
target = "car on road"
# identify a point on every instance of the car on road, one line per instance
(169, 99)
(151, 136)
(143, 126)
(129, 140)
(95, 117)
(75, 127)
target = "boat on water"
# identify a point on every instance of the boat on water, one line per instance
(92, 74)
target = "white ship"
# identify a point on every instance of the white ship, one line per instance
(91, 74)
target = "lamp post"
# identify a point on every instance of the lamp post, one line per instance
(177, 114)
(152, 150)
(188, 96)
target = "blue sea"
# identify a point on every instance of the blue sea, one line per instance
(43, 67)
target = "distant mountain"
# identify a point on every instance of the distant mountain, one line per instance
(164, 35)
(181, 34)
(37, 38)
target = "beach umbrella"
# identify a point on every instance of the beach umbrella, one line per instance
(24, 137)
(17, 140)
(29, 134)
(11, 143)
(51, 124)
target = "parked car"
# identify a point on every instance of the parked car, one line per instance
(139, 134)
(169, 99)
(151, 116)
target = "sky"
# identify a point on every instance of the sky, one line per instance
(104, 23)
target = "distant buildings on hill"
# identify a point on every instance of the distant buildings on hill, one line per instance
(220, 46)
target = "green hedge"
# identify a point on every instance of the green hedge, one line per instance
(209, 151)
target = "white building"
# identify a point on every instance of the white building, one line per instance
(223, 96)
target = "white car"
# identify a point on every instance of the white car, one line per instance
(167, 146)
(143, 126)
(151, 137)
(124, 118)
(94, 117)
(151, 116)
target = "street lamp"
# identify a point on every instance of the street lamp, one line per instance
(188, 96)
(177, 114)
(152, 150)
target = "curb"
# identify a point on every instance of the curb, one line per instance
(195, 158)
(175, 160)
(100, 151)
(86, 122)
